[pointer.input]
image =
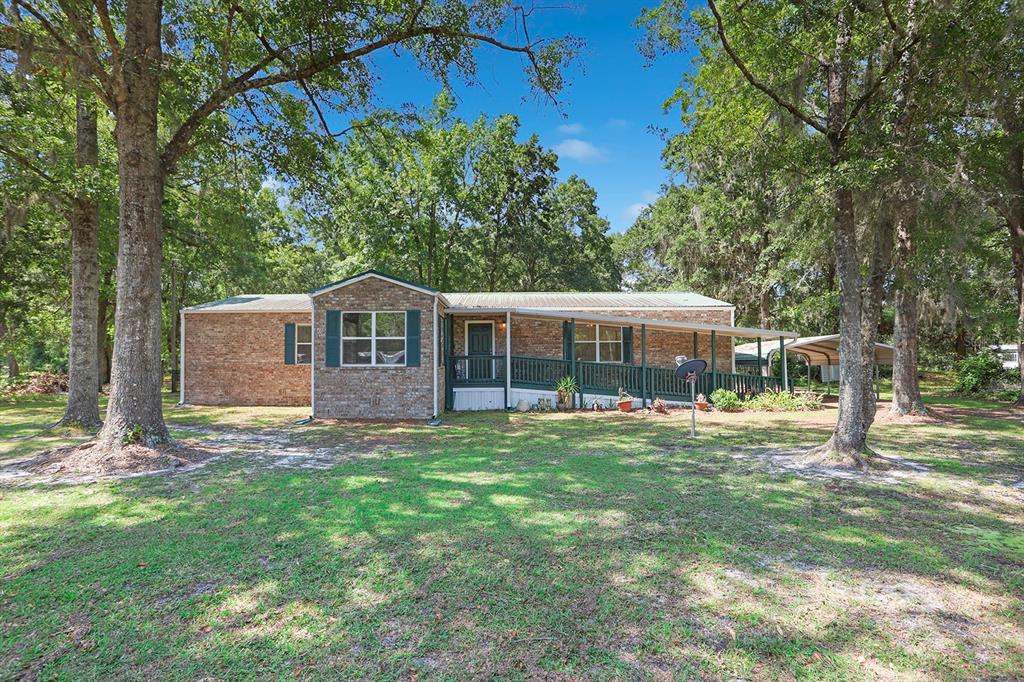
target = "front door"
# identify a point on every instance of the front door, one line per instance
(480, 341)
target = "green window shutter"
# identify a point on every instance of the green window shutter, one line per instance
(289, 344)
(412, 338)
(627, 345)
(565, 340)
(332, 351)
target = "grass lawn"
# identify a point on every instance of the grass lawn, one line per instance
(521, 546)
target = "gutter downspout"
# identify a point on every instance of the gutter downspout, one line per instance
(312, 358)
(181, 358)
(433, 326)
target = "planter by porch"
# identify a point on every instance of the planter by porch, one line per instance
(625, 406)
(701, 405)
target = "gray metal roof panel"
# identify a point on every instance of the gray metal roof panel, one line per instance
(256, 303)
(583, 300)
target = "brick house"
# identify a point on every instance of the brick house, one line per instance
(373, 346)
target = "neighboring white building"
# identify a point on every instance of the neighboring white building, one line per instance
(1008, 354)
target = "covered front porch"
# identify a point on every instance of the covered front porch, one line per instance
(496, 357)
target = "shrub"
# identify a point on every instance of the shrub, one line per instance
(726, 400)
(769, 401)
(977, 372)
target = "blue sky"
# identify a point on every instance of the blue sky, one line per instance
(603, 131)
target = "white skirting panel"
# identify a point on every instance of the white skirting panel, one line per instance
(479, 399)
(491, 398)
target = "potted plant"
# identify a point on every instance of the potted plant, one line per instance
(701, 403)
(566, 388)
(625, 401)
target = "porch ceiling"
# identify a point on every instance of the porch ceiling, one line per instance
(538, 314)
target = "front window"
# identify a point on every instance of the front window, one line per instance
(373, 338)
(303, 344)
(598, 343)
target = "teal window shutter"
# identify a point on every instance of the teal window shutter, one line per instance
(332, 352)
(565, 340)
(627, 345)
(412, 338)
(289, 343)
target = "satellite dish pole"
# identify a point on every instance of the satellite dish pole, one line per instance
(688, 371)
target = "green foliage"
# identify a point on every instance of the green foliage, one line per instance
(567, 385)
(462, 206)
(770, 401)
(725, 400)
(977, 372)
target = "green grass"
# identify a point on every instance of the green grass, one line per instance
(516, 546)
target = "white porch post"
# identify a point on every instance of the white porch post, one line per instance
(785, 365)
(508, 359)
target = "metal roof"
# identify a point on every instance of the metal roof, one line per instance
(256, 303)
(583, 300)
(629, 320)
(820, 350)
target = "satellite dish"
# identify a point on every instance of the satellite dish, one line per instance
(691, 369)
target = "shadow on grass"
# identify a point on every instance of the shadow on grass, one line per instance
(496, 546)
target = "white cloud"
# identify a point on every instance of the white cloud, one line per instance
(618, 123)
(579, 150)
(633, 211)
(571, 128)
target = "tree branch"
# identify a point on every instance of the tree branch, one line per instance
(27, 163)
(893, 24)
(869, 94)
(179, 142)
(752, 79)
(90, 60)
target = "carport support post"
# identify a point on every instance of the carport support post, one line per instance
(714, 360)
(572, 356)
(643, 364)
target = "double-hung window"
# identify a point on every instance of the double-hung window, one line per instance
(373, 338)
(598, 343)
(303, 344)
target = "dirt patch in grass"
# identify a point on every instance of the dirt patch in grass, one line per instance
(90, 461)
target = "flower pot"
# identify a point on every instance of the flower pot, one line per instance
(702, 406)
(625, 406)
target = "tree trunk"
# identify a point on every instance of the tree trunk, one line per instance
(906, 392)
(134, 411)
(849, 437)
(1013, 212)
(83, 372)
(103, 347)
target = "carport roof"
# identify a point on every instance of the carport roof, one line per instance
(820, 350)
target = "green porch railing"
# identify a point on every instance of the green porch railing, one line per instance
(477, 370)
(597, 378)
(538, 373)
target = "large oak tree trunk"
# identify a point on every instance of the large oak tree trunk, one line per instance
(856, 316)
(134, 410)
(83, 380)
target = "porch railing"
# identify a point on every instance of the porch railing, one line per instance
(597, 378)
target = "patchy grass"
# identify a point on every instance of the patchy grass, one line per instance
(518, 546)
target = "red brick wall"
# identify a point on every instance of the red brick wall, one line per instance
(238, 359)
(543, 338)
(378, 392)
